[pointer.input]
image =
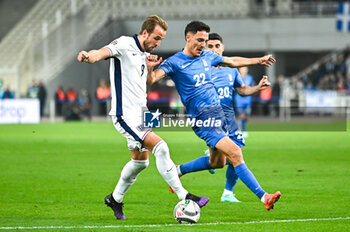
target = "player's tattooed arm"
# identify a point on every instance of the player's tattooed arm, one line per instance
(154, 75)
(245, 90)
(236, 61)
(93, 55)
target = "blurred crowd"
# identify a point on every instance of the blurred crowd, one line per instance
(331, 73)
(74, 106)
(70, 103)
(38, 90)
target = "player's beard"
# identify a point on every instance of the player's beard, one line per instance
(147, 47)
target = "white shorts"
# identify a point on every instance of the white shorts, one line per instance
(132, 130)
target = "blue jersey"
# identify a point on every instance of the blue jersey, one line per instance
(244, 100)
(225, 79)
(192, 78)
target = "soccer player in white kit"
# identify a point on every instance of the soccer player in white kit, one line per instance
(128, 76)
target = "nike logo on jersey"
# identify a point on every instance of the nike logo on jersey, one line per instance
(134, 54)
(185, 65)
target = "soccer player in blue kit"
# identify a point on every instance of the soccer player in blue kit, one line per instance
(243, 104)
(190, 69)
(225, 80)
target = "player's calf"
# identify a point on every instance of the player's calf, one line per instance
(212, 170)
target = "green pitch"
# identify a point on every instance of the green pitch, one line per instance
(54, 177)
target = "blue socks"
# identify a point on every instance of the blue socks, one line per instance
(249, 180)
(243, 125)
(232, 174)
(231, 177)
(199, 164)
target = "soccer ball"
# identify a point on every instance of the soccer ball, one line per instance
(187, 212)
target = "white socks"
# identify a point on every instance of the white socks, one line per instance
(167, 169)
(128, 177)
(178, 170)
(165, 166)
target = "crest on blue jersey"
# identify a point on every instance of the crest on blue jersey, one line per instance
(206, 66)
(151, 119)
(205, 63)
(230, 77)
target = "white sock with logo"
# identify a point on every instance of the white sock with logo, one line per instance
(167, 169)
(128, 177)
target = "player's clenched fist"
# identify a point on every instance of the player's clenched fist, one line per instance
(83, 56)
(152, 60)
(264, 83)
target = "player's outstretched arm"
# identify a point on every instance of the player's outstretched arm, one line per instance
(93, 55)
(245, 90)
(154, 75)
(236, 61)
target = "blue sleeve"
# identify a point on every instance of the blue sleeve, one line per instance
(167, 67)
(238, 79)
(215, 58)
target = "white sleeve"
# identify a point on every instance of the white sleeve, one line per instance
(117, 47)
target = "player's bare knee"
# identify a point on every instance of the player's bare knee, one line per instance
(235, 158)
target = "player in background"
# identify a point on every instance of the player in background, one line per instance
(225, 80)
(243, 104)
(190, 69)
(128, 75)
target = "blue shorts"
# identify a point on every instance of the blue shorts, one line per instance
(244, 109)
(232, 128)
(237, 138)
(213, 133)
(231, 123)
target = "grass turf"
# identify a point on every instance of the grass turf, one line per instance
(58, 174)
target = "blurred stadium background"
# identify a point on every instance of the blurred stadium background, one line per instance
(39, 41)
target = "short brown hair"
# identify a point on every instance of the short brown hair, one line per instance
(196, 26)
(215, 36)
(151, 22)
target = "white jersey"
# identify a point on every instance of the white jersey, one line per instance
(128, 76)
